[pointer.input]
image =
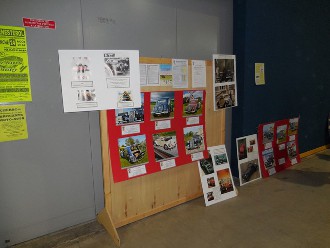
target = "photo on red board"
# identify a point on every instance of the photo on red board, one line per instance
(162, 105)
(268, 133)
(192, 103)
(293, 126)
(268, 158)
(194, 139)
(281, 134)
(165, 145)
(130, 115)
(133, 151)
(292, 149)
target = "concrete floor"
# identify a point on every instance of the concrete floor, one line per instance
(290, 209)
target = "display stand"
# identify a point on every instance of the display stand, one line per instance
(135, 199)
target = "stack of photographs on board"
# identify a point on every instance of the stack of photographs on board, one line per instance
(168, 130)
(278, 145)
(224, 81)
(216, 177)
(248, 159)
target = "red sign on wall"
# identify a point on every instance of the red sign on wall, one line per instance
(38, 23)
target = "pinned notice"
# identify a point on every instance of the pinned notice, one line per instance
(38, 23)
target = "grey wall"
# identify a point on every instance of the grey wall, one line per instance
(53, 179)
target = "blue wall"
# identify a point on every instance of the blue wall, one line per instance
(292, 38)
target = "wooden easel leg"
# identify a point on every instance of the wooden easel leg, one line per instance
(104, 218)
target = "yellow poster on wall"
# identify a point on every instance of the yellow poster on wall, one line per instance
(13, 122)
(14, 66)
(259, 73)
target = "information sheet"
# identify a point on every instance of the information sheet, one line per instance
(99, 79)
(13, 122)
(180, 73)
(14, 65)
(198, 68)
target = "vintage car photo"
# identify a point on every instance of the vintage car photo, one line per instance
(161, 105)
(249, 171)
(192, 103)
(225, 182)
(165, 145)
(268, 133)
(194, 139)
(130, 115)
(133, 151)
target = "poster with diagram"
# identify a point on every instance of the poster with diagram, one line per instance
(278, 145)
(248, 159)
(224, 81)
(216, 178)
(155, 136)
(99, 79)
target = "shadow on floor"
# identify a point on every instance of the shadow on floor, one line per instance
(304, 177)
(324, 157)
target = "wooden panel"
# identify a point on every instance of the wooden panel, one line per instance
(138, 198)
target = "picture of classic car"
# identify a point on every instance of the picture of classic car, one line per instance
(269, 162)
(268, 135)
(220, 159)
(206, 166)
(252, 168)
(167, 142)
(163, 107)
(122, 118)
(195, 142)
(131, 153)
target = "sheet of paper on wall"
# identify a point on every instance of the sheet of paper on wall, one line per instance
(259, 72)
(224, 81)
(14, 65)
(13, 122)
(165, 75)
(99, 79)
(153, 74)
(216, 178)
(143, 74)
(198, 73)
(248, 159)
(180, 73)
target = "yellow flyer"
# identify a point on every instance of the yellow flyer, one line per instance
(13, 122)
(259, 73)
(14, 65)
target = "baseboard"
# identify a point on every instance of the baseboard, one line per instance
(316, 150)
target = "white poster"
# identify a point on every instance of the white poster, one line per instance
(198, 68)
(224, 81)
(99, 79)
(248, 159)
(180, 73)
(216, 177)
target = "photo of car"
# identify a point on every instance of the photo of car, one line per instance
(130, 115)
(194, 139)
(206, 166)
(192, 103)
(268, 133)
(167, 142)
(165, 145)
(162, 105)
(251, 169)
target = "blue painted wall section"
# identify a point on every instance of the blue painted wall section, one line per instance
(292, 38)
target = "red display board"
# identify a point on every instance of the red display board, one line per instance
(167, 131)
(278, 145)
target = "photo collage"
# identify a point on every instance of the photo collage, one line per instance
(168, 130)
(216, 177)
(278, 145)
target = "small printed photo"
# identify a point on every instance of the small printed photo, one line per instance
(86, 95)
(130, 115)
(252, 142)
(225, 182)
(125, 96)
(192, 103)
(165, 145)
(116, 66)
(162, 105)
(225, 96)
(249, 171)
(268, 133)
(293, 126)
(241, 147)
(268, 157)
(292, 149)
(81, 68)
(206, 165)
(250, 149)
(210, 182)
(133, 151)
(209, 196)
(194, 139)
(281, 134)
(224, 70)
(165, 74)
(220, 159)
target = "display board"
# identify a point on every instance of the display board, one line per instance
(134, 199)
(278, 145)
